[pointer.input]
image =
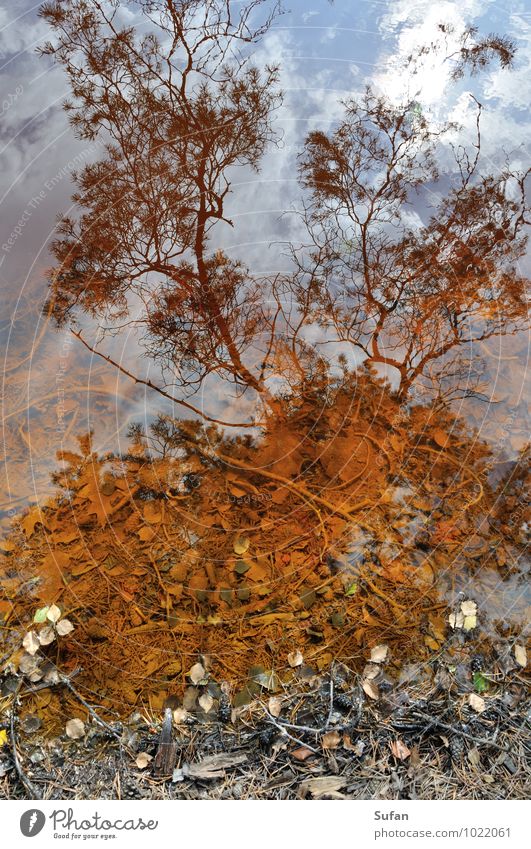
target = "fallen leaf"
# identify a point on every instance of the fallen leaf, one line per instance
(197, 673)
(520, 655)
(241, 544)
(295, 658)
(152, 513)
(52, 676)
(371, 690)
(146, 533)
(347, 743)
(143, 759)
(53, 613)
(476, 702)
(75, 729)
(3, 737)
(64, 627)
(269, 680)
(371, 671)
(399, 750)
(274, 706)
(330, 740)
(180, 715)
(302, 753)
(379, 653)
(456, 620)
(40, 615)
(31, 642)
(474, 757)
(206, 701)
(46, 635)
(469, 608)
(324, 785)
(28, 664)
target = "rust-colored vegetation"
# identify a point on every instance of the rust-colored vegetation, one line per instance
(326, 517)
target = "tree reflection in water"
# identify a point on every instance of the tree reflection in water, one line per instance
(329, 518)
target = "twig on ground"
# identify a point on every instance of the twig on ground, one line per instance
(66, 681)
(33, 792)
(282, 727)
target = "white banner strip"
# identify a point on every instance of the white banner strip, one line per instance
(266, 825)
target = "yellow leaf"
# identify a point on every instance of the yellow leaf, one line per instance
(3, 737)
(241, 544)
(520, 656)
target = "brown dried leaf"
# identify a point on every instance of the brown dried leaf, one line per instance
(440, 437)
(474, 756)
(28, 664)
(34, 516)
(330, 740)
(274, 706)
(143, 759)
(399, 750)
(476, 702)
(456, 620)
(180, 715)
(301, 754)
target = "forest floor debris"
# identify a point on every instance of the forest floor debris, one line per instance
(324, 739)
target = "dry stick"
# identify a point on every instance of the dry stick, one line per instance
(363, 577)
(66, 681)
(291, 737)
(298, 488)
(456, 462)
(483, 740)
(156, 388)
(34, 793)
(167, 750)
